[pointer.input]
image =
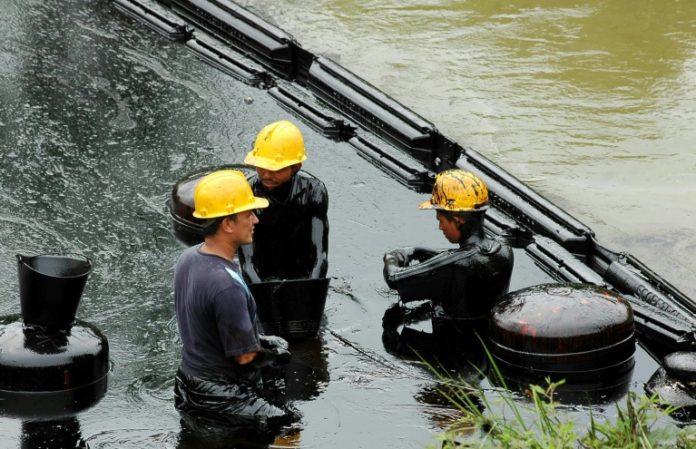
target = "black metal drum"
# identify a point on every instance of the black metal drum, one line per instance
(187, 228)
(577, 332)
(51, 365)
(50, 374)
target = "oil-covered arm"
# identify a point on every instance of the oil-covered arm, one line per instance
(320, 242)
(246, 254)
(431, 279)
(320, 233)
(396, 259)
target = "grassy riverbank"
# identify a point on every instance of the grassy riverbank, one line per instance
(641, 422)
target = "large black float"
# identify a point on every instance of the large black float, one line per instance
(563, 330)
(51, 364)
(344, 107)
(579, 333)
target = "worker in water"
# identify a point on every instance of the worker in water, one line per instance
(292, 237)
(219, 378)
(462, 284)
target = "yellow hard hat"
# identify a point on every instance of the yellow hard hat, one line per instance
(224, 192)
(277, 146)
(457, 191)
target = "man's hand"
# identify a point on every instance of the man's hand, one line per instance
(245, 358)
(275, 350)
(395, 259)
(399, 257)
(393, 317)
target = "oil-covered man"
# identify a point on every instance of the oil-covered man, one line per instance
(462, 284)
(292, 237)
(219, 376)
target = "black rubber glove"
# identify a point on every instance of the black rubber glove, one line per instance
(274, 351)
(391, 340)
(273, 342)
(399, 257)
(393, 260)
(393, 317)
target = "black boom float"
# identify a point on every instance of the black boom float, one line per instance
(51, 364)
(579, 333)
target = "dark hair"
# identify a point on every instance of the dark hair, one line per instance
(468, 215)
(211, 226)
(473, 221)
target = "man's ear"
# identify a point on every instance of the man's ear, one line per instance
(228, 223)
(296, 167)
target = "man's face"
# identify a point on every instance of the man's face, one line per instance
(243, 226)
(272, 179)
(450, 227)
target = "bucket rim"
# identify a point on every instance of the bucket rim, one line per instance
(22, 257)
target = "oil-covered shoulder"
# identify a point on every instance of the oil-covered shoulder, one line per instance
(312, 189)
(495, 245)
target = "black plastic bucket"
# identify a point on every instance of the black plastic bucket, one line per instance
(291, 308)
(50, 288)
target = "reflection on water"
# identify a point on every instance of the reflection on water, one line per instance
(64, 433)
(306, 375)
(192, 440)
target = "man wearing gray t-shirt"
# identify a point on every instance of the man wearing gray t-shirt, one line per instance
(219, 380)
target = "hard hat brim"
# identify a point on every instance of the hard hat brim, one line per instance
(427, 205)
(269, 164)
(259, 203)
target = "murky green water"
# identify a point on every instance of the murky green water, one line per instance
(593, 103)
(100, 117)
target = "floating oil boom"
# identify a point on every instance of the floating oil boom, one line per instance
(341, 106)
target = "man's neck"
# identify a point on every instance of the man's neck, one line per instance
(281, 192)
(220, 248)
(472, 239)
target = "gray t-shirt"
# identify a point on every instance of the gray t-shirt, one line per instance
(216, 315)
